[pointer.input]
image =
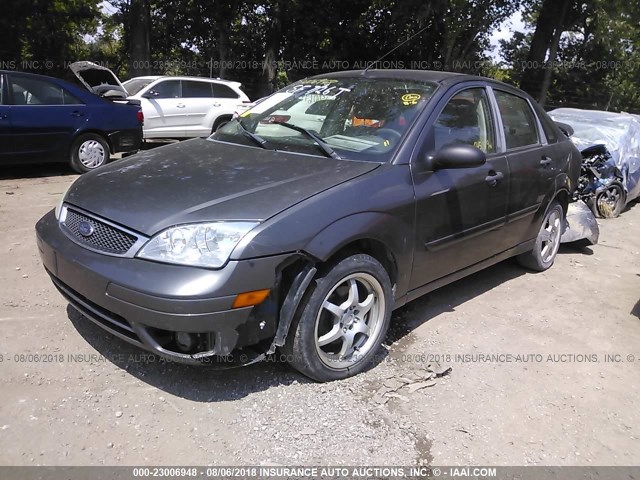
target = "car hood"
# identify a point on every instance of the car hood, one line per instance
(202, 180)
(98, 79)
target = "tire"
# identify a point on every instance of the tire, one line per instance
(88, 152)
(609, 202)
(547, 242)
(319, 335)
(219, 123)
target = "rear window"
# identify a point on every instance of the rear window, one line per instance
(518, 120)
(35, 91)
(222, 91)
(193, 89)
(168, 89)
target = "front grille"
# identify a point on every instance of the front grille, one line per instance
(105, 237)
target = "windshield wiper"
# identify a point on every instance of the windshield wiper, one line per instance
(328, 151)
(256, 138)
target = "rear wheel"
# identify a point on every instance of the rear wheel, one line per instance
(343, 320)
(547, 242)
(88, 152)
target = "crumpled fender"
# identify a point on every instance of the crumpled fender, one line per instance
(389, 230)
(580, 224)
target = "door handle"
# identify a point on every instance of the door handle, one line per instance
(3, 116)
(546, 161)
(76, 114)
(217, 105)
(493, 178)
(180, 105)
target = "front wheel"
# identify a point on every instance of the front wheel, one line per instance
(609, 202)
(547, 242)
(88, 152)
(343, 320)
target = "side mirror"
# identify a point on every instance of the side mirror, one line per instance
(456, 155)
(150, 94)
(566, 128)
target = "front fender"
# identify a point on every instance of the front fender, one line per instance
(390, 231)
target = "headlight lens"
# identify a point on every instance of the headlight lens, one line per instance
(200, 244)
(64, 195)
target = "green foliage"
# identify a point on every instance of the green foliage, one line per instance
(598, 56)
(598, 62)
(46, 35)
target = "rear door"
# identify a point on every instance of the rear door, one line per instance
(44, 116)
(5, 119)
(165, 114)
(533, 163)
(460, 212)
(201, 106)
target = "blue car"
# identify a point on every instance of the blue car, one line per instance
(45, 119)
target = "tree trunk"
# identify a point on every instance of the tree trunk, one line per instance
(139, 30)
(223, 50)
(270, 70)
(553, 50)
(548, 23)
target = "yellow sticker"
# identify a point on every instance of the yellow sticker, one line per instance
(246, 113)
(411, 99)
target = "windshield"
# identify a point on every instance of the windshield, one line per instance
(352, 118)
(135, 85)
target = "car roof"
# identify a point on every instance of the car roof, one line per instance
(184, 77)
(439, 77)
(29, 74)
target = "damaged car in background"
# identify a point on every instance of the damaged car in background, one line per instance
(306, 237)
(610, 147)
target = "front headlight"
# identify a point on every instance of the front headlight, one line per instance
(64, 195)
(198, 245)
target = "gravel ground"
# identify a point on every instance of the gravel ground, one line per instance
(549, 399)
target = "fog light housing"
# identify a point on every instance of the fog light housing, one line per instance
(185, 341)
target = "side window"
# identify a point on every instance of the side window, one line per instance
(34, 91)
(548, 126)
(518, 120)
(193, 89)
(70, 99)
(466, 119)
(167, 89)
(222, 91)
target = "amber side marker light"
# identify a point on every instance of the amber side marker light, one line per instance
(249, 299)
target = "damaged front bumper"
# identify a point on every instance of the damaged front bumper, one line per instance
(181, 313)
(580, 224)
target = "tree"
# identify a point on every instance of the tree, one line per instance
(138, 30)
(65, 23)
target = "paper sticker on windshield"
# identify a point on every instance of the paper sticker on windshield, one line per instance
(411, 99)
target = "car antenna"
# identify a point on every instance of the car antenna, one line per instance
(394, 49)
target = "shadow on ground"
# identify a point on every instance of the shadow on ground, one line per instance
(207, 384)
(12, 172)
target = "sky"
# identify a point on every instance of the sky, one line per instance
(505, 31)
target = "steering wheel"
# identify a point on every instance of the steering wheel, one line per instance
(388, 132)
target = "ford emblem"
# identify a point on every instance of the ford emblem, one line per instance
(85, 229)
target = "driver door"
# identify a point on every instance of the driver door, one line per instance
(460, 212)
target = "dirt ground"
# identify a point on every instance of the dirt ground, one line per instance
(545, 370)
